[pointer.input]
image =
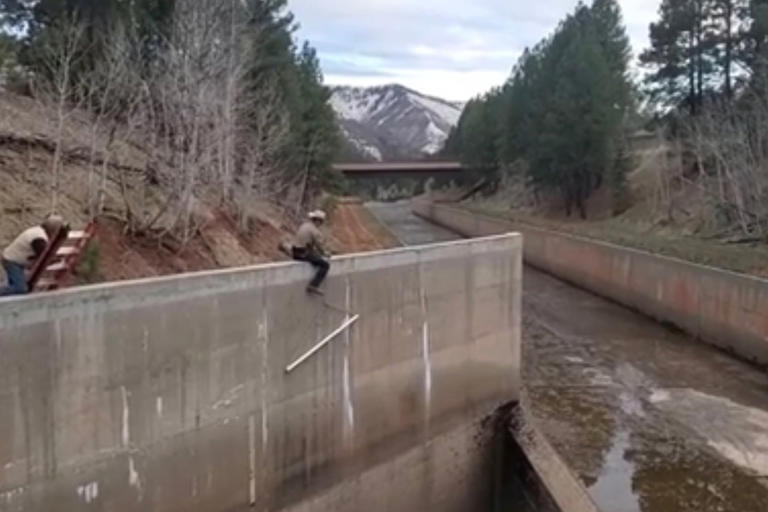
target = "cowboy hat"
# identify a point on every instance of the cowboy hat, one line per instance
(317, 215)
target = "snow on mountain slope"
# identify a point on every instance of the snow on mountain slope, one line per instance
(447, 111)
(362, 147)
(392, 122)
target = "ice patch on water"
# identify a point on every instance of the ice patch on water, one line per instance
(744, 456)
(737, 432)
(631, 405)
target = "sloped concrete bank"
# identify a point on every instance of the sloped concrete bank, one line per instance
(723, 308)
(171, 394)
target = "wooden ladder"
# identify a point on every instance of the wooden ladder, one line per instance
(60, 258)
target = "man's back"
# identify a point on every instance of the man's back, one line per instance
(309, 237)
(22, 250)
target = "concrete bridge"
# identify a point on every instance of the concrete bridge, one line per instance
(397, 180)
(427, 168)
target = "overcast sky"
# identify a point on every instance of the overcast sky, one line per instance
(454, 49)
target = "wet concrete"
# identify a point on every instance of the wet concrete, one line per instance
(651, 419)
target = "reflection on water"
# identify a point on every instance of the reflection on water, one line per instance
(613, 489)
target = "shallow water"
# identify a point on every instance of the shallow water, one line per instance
(652, 420)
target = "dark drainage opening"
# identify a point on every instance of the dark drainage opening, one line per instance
(517, 485)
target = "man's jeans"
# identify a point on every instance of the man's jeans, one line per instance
(321, 264)
(17, 281)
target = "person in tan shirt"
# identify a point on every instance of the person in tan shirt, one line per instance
(24, 251)
(309, 246)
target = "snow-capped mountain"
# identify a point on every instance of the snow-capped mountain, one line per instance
(393, 122)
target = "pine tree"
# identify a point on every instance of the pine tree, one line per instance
(7, 51)
(475, 140)
(697, 46)
(726, 19)
(561, 112)
(148, 18)
(315, 128)
(575, 149)
(754, 48)
(612, 37)
(676, 54)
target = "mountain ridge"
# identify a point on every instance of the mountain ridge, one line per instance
(391, 122)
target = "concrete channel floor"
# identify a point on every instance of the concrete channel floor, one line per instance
(649, 418)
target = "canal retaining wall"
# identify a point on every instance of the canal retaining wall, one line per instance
(724, 308)
(172, 394)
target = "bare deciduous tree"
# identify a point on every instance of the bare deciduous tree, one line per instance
(59, 53)
(204, 109)
(111, 91)
(268, 130)
(730, 144)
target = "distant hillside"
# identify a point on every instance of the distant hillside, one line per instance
(393, 122)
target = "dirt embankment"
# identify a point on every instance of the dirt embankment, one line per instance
(355, 229)
(27, 145)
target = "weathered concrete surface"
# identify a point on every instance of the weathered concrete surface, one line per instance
(452, 471)
(721, 307)
(648, 417)
(547, 481)
(170, 394)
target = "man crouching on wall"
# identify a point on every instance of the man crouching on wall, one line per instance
(309, 246)
(24, 251)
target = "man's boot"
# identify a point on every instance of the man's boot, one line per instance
(314, 290)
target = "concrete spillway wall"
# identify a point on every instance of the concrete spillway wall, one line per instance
(724, 308)
(171, 394)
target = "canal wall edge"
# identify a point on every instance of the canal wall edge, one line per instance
(171, 394)
(723, 308)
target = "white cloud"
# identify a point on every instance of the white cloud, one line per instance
(449, 48)
(638, 15)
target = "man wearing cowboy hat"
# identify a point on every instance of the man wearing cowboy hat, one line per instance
(309, 246)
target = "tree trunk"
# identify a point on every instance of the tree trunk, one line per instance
(691, 75)
(583, 190)
(582, 208)
(699, 54)
(728, 47)
(57, 154)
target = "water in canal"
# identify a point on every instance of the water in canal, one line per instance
(650, 419)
